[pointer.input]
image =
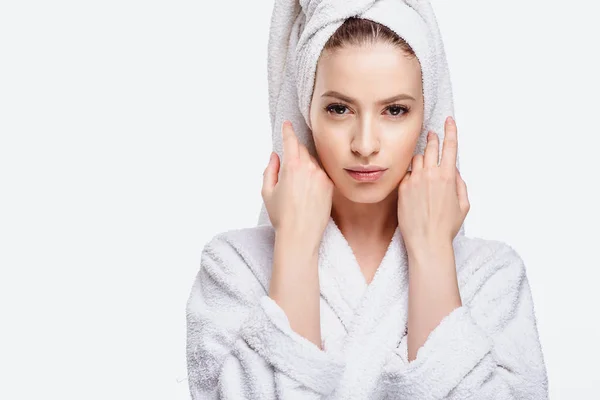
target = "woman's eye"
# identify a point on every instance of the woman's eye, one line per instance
(395, 110)
(339, 109)
(336, 108)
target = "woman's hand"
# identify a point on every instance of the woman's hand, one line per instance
(299, 206)
(432, 205)
(432, 198)
(299, 203)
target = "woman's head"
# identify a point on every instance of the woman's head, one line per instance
(355, 120)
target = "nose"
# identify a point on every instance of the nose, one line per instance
(366, 140)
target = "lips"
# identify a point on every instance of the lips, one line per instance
(371, 168)
(364, 171)
(366, 176)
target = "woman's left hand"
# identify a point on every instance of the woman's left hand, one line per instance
(432, 198)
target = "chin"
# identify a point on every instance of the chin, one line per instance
(366, 192)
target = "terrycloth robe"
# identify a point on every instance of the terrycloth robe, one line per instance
(240, 344)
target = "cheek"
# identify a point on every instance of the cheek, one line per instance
(329, 149)
(401, 151)
(405, 147)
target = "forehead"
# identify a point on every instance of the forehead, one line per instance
(370, 70)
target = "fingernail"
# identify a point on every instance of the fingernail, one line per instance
(451, 120)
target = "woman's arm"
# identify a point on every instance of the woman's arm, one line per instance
(433, 290)
(295, 283)
(486, 349)
(240, 343)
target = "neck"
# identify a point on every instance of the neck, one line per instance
(366, 221)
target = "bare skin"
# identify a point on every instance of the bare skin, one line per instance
(432, 205)
(299, 206)
(351, 127)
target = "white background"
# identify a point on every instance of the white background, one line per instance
(134, 131)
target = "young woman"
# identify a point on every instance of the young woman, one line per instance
(361, 286)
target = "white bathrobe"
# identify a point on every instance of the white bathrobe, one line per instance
(240, 344)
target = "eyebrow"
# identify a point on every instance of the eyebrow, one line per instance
(333, 93)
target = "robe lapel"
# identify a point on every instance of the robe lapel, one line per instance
(375, 316)
(343, 285)
(341, 281)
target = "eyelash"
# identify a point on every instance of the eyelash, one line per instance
(329, 109)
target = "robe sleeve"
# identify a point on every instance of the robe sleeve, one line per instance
(240, 344)
(486, 349)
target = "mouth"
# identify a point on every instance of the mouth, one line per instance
(366, 176)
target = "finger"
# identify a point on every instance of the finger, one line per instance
(270, 174)
(315, 161)
(405, 178)
(431, 156)
(461, 189)
(417, 162)
(290, 142)
(303, 154)
(450, 145)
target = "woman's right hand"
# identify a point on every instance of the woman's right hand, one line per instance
(300, 201)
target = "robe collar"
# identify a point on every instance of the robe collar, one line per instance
(343, 285)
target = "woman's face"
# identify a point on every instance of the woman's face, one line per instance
(355, 121)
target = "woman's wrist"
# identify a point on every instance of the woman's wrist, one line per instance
(294, 285)
(429, 250)
(297, 242)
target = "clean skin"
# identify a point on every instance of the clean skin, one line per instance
(366, 110)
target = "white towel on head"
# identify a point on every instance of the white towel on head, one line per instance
(298, 33)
